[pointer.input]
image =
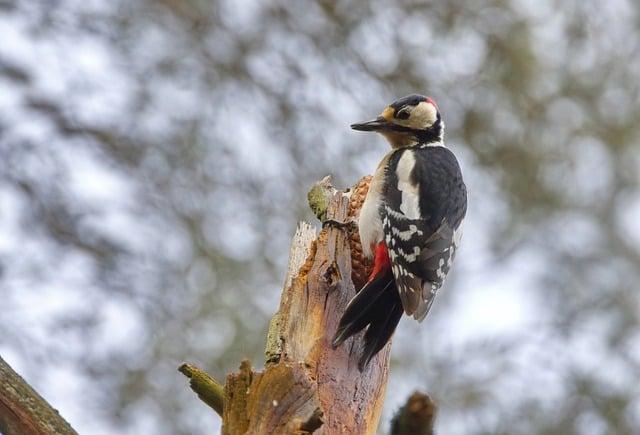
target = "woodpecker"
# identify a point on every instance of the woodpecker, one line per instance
(410, 223)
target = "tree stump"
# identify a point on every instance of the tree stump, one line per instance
(306, 386)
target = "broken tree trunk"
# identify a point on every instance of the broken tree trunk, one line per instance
(306, 386)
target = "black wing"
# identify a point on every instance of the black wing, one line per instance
(422, 218)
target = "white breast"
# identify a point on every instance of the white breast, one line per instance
(369, 223)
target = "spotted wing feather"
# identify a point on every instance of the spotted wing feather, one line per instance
(420, 262)
(422, 250)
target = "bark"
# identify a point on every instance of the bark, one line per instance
(23, 411)
(306, 386)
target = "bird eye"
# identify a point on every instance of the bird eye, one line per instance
(403, 113)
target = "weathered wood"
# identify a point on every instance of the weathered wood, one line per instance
(301, 246)
(306, 386)
(309, 314)
(23, 411)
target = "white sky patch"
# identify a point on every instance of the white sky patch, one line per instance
(592, 169)
(501, 304)
(136, 234)
(55, 298)
(241, 14)
(373, 39)
(15, 39)
(94, 181)
(184, 100)
(237, 239)
(111, 198)
(237, 236)
(493, 299)
(486, 209)
(61, 383)
(577, 232)
(589, 353)
(11, 97)
(463, 57)
(130, 326)
(30, 128)
(70, 68)
(9, 221)
(214, 334)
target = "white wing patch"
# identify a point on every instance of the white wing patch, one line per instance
(410, 194)
(406, 235)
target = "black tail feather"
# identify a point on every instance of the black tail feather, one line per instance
(357, 315)
(379, 332)
(377, 305)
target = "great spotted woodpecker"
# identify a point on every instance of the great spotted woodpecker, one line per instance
(410, 223)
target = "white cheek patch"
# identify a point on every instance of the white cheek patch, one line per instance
(423, 115)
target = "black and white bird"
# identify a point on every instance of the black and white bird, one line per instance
(410, 223)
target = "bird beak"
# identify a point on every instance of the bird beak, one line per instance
(378, 124)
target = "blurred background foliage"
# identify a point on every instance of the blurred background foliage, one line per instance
(155, 157)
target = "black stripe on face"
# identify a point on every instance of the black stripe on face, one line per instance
(429, 135)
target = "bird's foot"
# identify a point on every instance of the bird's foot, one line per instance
(348, 225)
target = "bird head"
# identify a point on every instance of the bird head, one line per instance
(409, 121)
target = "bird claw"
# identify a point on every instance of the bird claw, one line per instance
(349, 225)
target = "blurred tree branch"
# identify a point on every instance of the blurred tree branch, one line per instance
(416, 417)
(306, 384)
(23, 411)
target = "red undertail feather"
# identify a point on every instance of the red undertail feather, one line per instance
(381, 262)
(377, 307)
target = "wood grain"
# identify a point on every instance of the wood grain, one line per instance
(308, 387)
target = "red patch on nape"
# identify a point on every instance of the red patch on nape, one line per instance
(431, 101)
(381, 260)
